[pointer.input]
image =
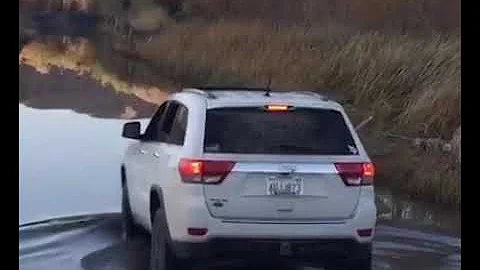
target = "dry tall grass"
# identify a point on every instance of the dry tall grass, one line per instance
(386, 15)
(396, 60)
(408, 83)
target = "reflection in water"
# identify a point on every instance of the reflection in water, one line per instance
(75, 54)
(65, 59)
(66, 90)
(58, 5)
(400, 211)
(81, 56)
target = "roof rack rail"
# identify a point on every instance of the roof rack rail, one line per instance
(213, 88)
(326, 94)
(199, 91)
(313, 94)
(205, 90)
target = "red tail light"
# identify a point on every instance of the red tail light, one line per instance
(204, 171)
(356, 174)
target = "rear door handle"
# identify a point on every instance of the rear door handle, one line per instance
(143, 151)
(156, 154)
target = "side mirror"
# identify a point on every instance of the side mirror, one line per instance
(131, 130)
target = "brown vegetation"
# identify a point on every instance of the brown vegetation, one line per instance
(396, 60)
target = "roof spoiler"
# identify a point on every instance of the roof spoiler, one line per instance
(330, 94)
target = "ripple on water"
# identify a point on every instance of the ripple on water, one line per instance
(403, 248)
(98, 244)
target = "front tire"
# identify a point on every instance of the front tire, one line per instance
(130, 228)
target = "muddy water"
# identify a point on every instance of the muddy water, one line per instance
(74, 96)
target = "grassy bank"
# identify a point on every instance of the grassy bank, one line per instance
(410, 85)
(400, 65)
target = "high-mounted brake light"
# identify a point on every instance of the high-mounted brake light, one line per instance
(204, 171)
(278, 108)
(356, 174)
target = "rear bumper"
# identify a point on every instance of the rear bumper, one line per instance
(364, 218)
(248, 248)
(193, 213)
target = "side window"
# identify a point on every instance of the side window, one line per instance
(179, 126)
(153, 128)
(167, 122)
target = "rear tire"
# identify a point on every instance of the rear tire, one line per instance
(161, 256)
(357, 259)
(130, 228)
(362, 259)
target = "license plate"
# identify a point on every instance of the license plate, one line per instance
(284, 186)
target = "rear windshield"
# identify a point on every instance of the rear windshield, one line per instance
(303, 131)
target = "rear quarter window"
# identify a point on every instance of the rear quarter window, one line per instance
(303, 131)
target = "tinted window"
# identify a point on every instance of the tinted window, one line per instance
(179, 125)
(298, 132)
(153, 128)
(167, 122)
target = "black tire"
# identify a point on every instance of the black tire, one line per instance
(362, 259)
(130, 228)
(161, 256)
(358, 259)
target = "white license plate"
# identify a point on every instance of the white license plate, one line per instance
(284, 186)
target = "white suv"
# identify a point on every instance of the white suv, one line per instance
(232, 172)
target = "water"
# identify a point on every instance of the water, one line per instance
(74, 96)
